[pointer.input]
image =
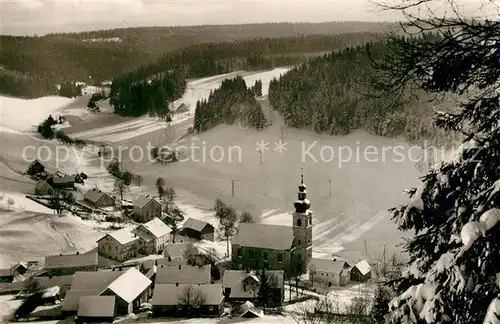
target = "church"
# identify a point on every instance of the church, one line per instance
(277, 247)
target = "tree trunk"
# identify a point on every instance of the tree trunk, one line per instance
(227, 244)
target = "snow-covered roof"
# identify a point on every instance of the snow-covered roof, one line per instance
(157, 227)
(328, 265)
(363, 267)
(275, 237)
(195, 224)
(51, 292)
(124, 288)
(71, 261)
(94, 195)
(183, 274)
(177, 250)
(170, 294)
(124, 235)
(96, 306)
(143, 200)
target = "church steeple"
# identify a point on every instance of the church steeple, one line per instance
(302, 204)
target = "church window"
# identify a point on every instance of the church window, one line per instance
(280, 257)
(299, 222)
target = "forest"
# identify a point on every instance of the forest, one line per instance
(335, 94)
(56, 59)
(231, 103)
(209, 59)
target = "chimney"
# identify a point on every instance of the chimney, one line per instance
(334, 259)
(60, 254)
(177, 284)
(169, 259)
(179, 267)
(77, 253)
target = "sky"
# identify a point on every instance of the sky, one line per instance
(29, 17)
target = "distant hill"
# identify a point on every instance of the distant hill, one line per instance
(105, 54)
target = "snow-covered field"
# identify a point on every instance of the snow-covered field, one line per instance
(352, 220)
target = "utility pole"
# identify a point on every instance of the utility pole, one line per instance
(366, 248)
(260, 151)
(330, 186)
(232, 188)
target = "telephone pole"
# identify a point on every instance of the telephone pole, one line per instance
(260, 151)
(330, 186)
(232, 188)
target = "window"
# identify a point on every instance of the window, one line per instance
(250, 254)
(239, 254)
(310, 220)
(211, 308)
(299, 222)
(299, 242)
(265, 255)
(280, 258)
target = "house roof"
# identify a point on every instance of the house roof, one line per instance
(170, 294)
(130, 285)
(5, 272)
(94, 279)
(327, 265)
(70, 261)
(234, 279)
(275, 237)
(72, 298)
(123, 236)
(96, 306)
(20, 264)
(363, 267)
(156, 227)
(94, 195)
(185, 275)
(176, 250)
(195, 224)
(64, 179)
(61, 281)
(36, 162)
(42, 184)
(151, 272)
(143, 200)
(172, 262)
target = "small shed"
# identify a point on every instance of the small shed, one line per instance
(19, 268)
(6, 275)
(198, 229)
(64, 182)
(99, 198)
(35, 167)
(182, 108)
(361, 272)
(96, 309)
(248, 310)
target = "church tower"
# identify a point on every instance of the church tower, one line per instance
(302, 227)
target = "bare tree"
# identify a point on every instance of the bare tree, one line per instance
(120, 187)
(227, 219)
(246, 217)
(191, 298)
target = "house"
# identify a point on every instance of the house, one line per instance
(277, 247)
(131, 289)
(19, 268)
(179, 250)
(35, 167)
(182, 108)
(198, 230)
(61, 265)
(171, 262)
(6, 275)
(99, 198)
(183, 274)
(158, 231)
(62, 182)
(187, 300)
(146, 208)
(361, 272)
(87, 284)
(43, 188)
(248, 310)
(98, 309)
(330, 272)
(119, 245)
(240, 285)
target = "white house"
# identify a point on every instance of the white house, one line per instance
(329, 272)
(158, 230)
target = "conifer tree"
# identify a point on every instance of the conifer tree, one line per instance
(454, 272)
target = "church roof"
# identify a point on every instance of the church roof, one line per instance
(264, 236)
